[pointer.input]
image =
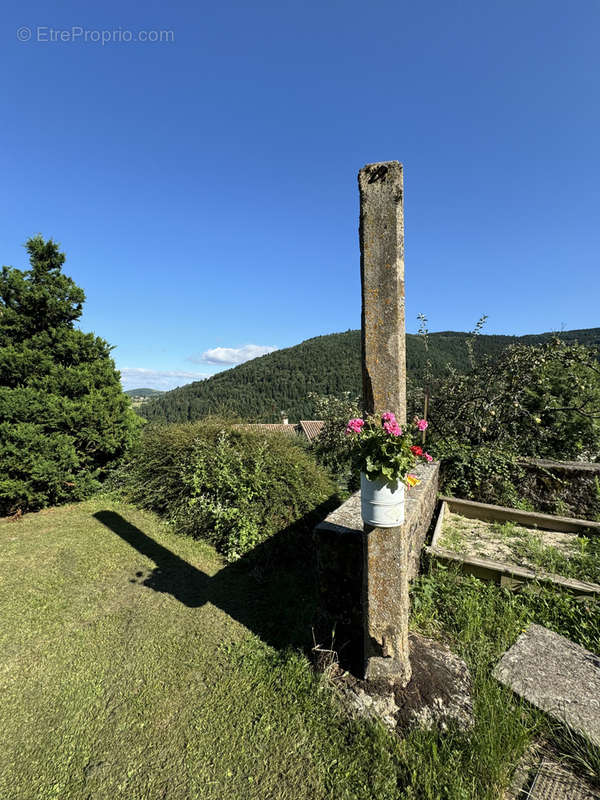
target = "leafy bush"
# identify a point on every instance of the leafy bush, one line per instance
(332, 447)
(227, 484)
(487, 473)
(64, 420)
(152, 475)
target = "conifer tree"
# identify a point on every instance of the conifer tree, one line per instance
(64, 419)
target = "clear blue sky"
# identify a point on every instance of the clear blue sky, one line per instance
(204, 189)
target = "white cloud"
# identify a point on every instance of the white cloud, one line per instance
(232, 355)
(140, 378)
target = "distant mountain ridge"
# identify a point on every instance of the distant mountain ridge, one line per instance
(143, 392)
(260, 389)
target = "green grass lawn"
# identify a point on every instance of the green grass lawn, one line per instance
(135, 664)
(122, 676)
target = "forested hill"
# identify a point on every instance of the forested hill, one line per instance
(260, 389)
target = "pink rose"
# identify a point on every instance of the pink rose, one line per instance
(428, 457)
(388, 417)
(422, 424)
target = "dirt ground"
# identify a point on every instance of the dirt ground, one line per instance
(500, 542)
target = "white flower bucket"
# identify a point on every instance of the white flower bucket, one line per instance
(381, 503)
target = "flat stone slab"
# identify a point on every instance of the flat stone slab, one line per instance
(557, 676)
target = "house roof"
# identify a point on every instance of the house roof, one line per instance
(267, 427)
(311, 428)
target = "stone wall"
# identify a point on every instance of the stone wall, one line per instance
(566, 488)
(339, 551)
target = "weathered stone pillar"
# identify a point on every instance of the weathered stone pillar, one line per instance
(385, 599)
(382, 275)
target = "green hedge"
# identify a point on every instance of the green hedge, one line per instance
(227, 484)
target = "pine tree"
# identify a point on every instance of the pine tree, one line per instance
(64, 419)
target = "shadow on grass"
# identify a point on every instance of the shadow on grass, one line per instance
(271, 590)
